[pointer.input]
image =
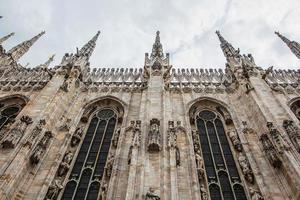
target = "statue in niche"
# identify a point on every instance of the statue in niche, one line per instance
(203, 192)
(150, 195)
(270, 151)
(65, 165)
(235, 140)
(293, 132)
(116, 137)
(279, 141)
(172, 137)
(245, 166)
(41, 148)
(177, 154)
(255, 194)
(154, 136)
(200, 165)
(54, 190)
(77, 136)
(109, 166)
(16, 133)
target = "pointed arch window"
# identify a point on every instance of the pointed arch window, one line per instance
(223, 179)
(86, 174)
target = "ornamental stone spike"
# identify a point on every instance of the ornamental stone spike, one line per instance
(89, 47)
(6, 37)
(18, 51)
(293, 45)
(47, 63)
(157, 49)
(227, 48)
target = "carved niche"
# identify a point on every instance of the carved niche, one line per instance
(154, 136)
(293, 132)
(41, 148)
(172, 140)
(16, 133)
(280, 143)
(65, 165)
(270, 151)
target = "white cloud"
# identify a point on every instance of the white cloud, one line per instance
(128, 29)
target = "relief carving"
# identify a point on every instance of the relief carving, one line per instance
(115, 138)
(235, 140)
(65, 165)
(77, 136)
(199, 165)
(246, 169)
(41, 148)
(16, 133)
(255, 194)
(54, 190)
(35, 133)
(154, 136)
(109, 166)
(277, 138)
(203, 192)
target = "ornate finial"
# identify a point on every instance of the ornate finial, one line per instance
(47, 63)
(89, 47)
(227, 48)
(293, 45)
(157, 50)
(6, 37)
(18, 51)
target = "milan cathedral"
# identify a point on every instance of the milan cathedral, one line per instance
(155, 133)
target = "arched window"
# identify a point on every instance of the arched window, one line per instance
(222, 175)
(84, 180)
(9, 109)
(295, 107)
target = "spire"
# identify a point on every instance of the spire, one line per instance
(47, 63)
(227, 48)
(294, 46)
(18, 51)
(157, 50)
(6, 37)
(89, 47)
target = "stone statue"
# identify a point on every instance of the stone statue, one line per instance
(277, 138)
(109, 166)
(116, 137)
(200, 165)
(177, 153)
(65, 165)
(235, 140)
(77, 136)
(103, 191)
(255, 194)
(16, 133)
(172, 137)
(35, 133)
(245, 166)
(54, 190)
(41, 147)
(154, 136)
(293, 132)
(150, 195)
(270, 151)
(203, 192)
(196, 140)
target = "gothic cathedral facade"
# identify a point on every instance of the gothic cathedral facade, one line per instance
(72, 132)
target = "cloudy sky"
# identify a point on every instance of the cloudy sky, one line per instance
(128, 29)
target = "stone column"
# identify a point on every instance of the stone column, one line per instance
(173, 174)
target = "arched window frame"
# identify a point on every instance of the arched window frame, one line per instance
(196, 110)
(87, 118)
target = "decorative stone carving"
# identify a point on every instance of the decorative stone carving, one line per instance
(5, 129)
(235, 140)
(109, 166)
(154, 136)
(115, 138)
(177, 154)
(65, 165)
(54, 190)
(41, 148)
(196, 140)
(150, 195)
(103, 191)
(225, 114)
(270, 151)
(77, 136)
(255, 194)
(246, 169)
(35, 133)
(293, 132)
(246, 129)
(172, 137)
(16, 133)
(199, 165)
(203, 192)
(129, 155)
(277, 138)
